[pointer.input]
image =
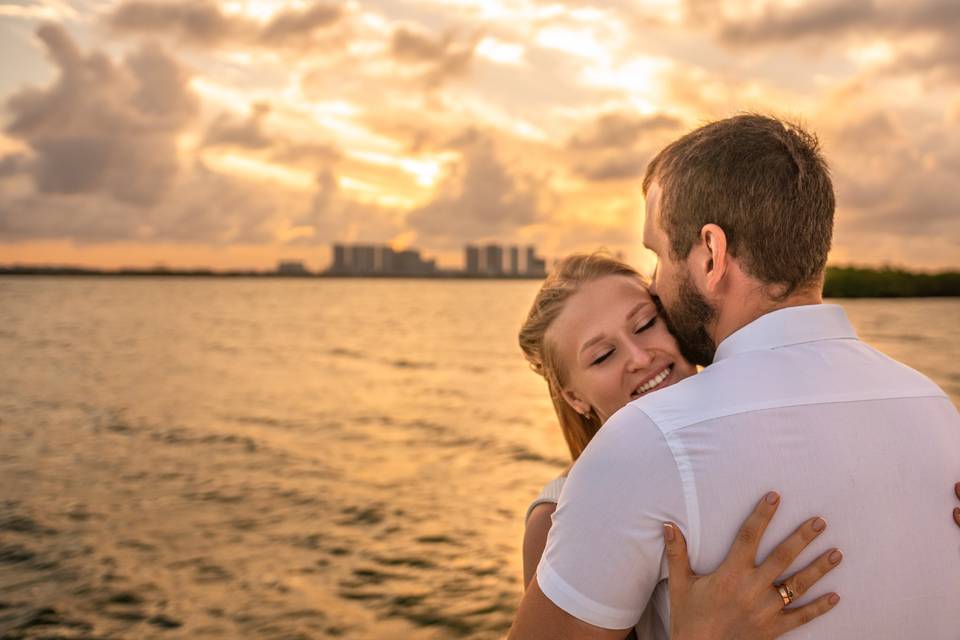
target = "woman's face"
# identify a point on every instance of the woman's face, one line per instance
(613, 346)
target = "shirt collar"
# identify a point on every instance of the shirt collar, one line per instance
(792, 325)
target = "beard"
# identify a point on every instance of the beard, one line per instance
(687, 320)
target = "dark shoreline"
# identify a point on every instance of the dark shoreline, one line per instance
(209, 273)
(841, 282)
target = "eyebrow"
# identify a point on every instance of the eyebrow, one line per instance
(594, 340)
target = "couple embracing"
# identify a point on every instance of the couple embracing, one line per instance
(740, 216)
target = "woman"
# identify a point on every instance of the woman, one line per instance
(636, 354)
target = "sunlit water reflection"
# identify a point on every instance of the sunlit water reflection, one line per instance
(218, 458)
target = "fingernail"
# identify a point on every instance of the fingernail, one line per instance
(836, 556)
(833, 599)
(668, 532)
(956, 514)
(772, 498)
(819, 524)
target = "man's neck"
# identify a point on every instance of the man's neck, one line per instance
(754, 304)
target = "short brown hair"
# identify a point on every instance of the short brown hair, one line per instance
(764, 182)
(566, 278)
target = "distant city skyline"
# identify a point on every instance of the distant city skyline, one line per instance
(489, 260)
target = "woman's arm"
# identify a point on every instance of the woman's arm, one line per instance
(535, 538)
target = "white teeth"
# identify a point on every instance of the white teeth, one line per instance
(653, 382)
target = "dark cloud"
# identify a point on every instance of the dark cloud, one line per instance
(103, 127)
(891, 178)
(617, 145)
(296, 26)
(247, 133)
(614, 166)
(435, 58)
(13, 164)
(827, 22)
(202, 23)
(480, 198)
(619, 130)
(816, 19)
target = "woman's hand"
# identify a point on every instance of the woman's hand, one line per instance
(956, 510)
(740, 600)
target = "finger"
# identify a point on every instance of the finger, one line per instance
(800, 582)
(788, 550)
(744, 550)
(790, 619)
(956, 490)
(956, 515)
(678, 562)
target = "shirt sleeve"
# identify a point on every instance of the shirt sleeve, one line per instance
(604, 552)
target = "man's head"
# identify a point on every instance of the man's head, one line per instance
(741, 204)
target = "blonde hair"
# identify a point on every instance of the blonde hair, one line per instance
(567, 277)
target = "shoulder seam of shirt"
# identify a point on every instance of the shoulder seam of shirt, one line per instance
(691, 503)
(668, 425)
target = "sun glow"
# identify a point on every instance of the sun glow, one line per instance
(259, 169)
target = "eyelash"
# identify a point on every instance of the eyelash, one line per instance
(641, 329)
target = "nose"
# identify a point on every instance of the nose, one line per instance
(639, 358)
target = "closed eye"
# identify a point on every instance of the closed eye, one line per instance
(603, 357)
(652, 322)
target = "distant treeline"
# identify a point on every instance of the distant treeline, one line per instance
(857, 282)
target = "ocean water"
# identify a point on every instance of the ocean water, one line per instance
(288, 458)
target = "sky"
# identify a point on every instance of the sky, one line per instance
(236, 133)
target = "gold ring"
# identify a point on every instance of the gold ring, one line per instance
(786, 594)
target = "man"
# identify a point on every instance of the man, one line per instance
(740, 215)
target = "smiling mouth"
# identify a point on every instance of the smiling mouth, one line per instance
(652, 383)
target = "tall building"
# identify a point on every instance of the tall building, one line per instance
(386, 259)
(514, 260)
(534, 266)
(364, 259)
(493, 259)
(472, 259)
(340, 264)
(379, 260)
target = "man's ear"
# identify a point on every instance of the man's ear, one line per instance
(575, 401)
(715, 259)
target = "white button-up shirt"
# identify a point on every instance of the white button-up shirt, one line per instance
(792, 402)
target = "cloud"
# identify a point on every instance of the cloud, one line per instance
(103, 127)
(205, 207)
(434, 58)
(894, 179)
(227, 131)
(202, 23)
(333, 217)
(617, 145)
(621, 129)
(615, 166)
(101, 160)
(778, 24)
(249, 134)
(481, 197)
(13, 164)
(835, 22)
